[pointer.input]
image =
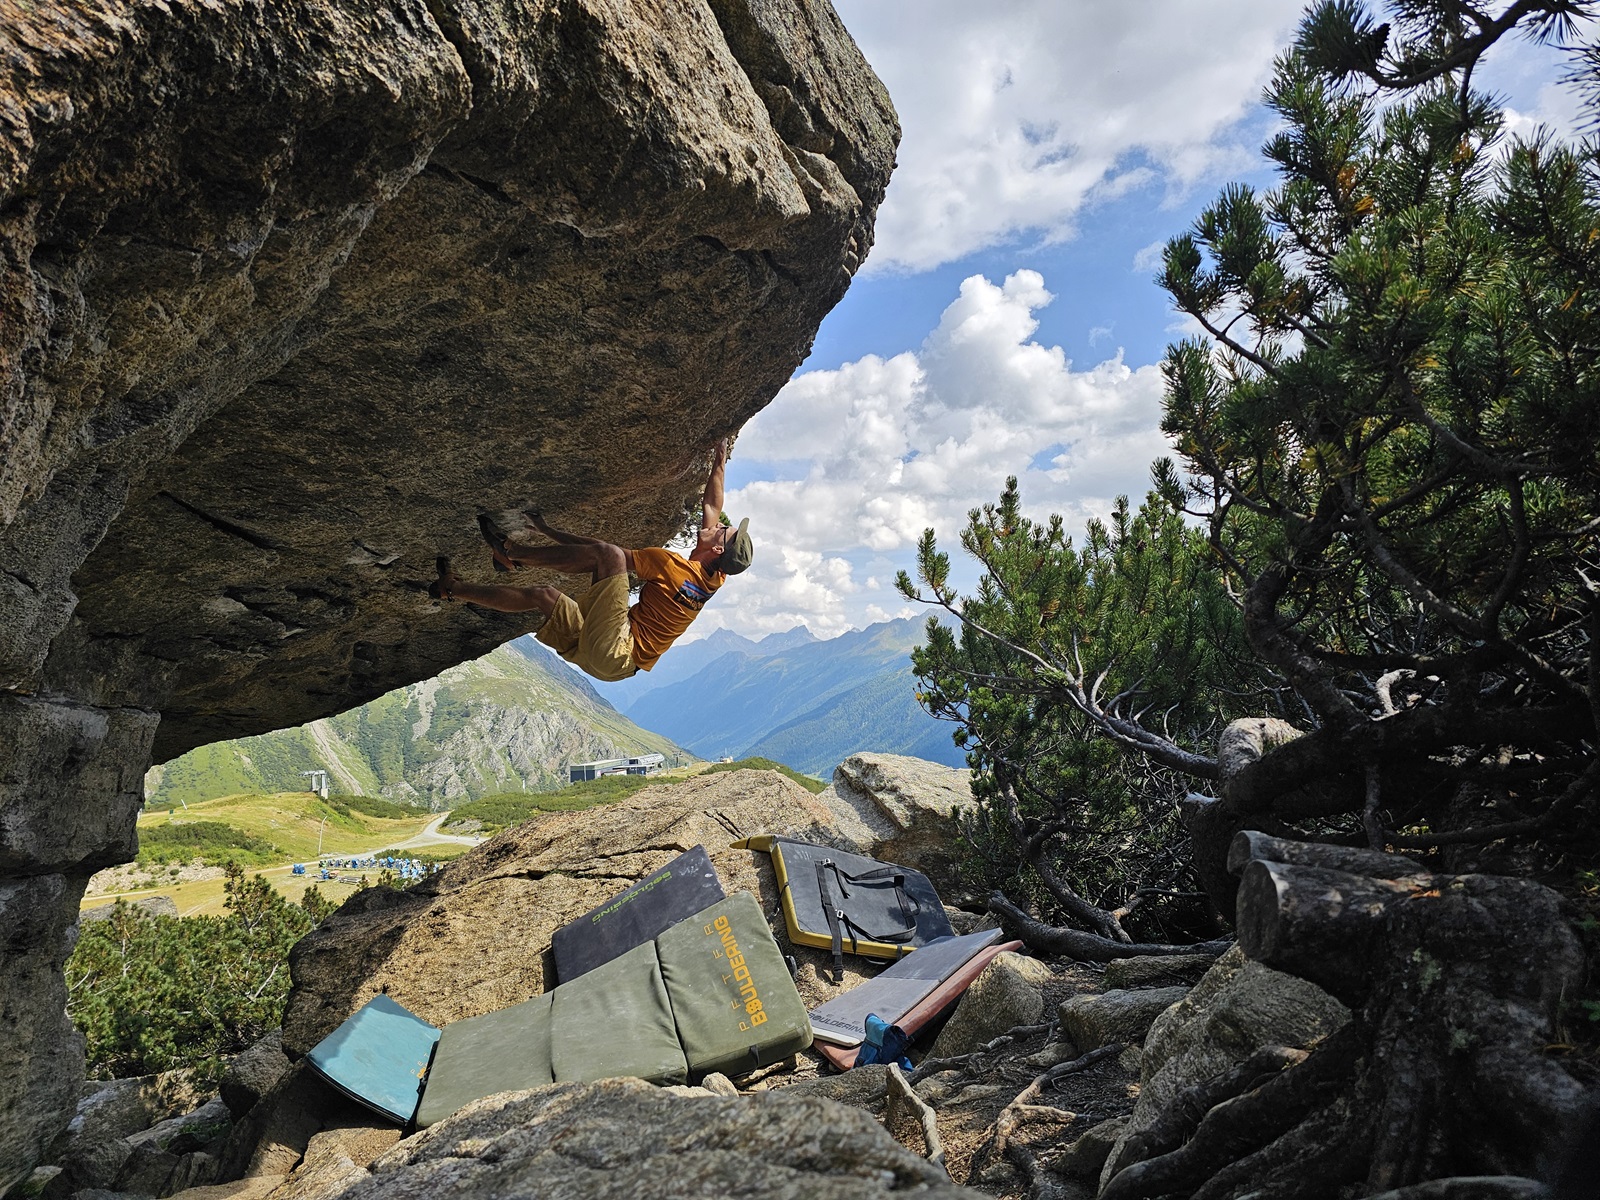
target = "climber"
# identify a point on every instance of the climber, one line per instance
(599, 633)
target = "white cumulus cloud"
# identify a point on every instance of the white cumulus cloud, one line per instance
(870, 454)
(1017, 115)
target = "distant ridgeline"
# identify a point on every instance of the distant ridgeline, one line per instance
(510, 721)
(791, 698)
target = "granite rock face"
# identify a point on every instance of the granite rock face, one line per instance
(902, 809)
(253, 1074)
(621, 1139)
(296, 291)
(1010, 992)
(1167, 970)
(1099, 1019)
(289, 292)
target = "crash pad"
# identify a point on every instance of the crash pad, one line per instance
(505, 1051)
(378, 1057)
(927, 1010)
(732, 996)
(852, 904)
(896, 990)
(634, 916)
(712, 993)
(616, 1020)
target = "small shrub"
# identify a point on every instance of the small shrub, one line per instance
(214, 842)
(372, 806)
(507, 809)
(810, 784)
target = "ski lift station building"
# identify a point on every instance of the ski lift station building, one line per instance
(641, 764)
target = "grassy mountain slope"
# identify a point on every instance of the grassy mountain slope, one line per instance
(688, 659)
(734, 704)
(511, 721)
(288, 825)
(880, 714)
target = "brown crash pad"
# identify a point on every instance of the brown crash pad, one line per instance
(928, 1009)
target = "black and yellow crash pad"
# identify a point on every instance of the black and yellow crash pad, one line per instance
(852, 904)
(676, 892)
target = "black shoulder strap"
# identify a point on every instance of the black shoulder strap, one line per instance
(835, 917)
(909, 907)
(839, 918)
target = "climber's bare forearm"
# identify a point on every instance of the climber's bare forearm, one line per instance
(711, 498)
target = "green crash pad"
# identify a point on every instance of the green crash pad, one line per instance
(712, 993)
(505, 1051)
(616, 1020)
(733, 1000)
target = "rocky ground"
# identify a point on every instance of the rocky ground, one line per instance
(136, 877)
(1043, 1072)
(283, 1129)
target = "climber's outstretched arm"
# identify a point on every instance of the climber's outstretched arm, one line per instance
(711, 500)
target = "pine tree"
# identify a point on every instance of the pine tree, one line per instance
(1391, 440)
(1056, 658)
(153, 993)
(1393, 435)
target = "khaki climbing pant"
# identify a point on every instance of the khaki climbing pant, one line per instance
(593, 633)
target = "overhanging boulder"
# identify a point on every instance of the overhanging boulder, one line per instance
(289, 292)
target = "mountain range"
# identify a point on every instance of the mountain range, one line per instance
(790, 697)
(514, 719)
(510, 721)
(688, 659)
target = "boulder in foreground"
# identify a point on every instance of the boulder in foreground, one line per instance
(621, 1139)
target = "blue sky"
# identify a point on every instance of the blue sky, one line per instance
(1006, 322)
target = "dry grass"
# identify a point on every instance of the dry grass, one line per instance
(199, 892)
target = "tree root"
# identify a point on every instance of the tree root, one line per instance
(1471, 1187)
(1024, 1109)
(1188, 1108)
(1052, 941)
(1440, 1088)
(1240, 1125)
(1313, 1161)
(899, 1092)
(929, 1067)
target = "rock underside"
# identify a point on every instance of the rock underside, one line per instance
(288, 293)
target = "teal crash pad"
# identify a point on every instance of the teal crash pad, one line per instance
(378, 1057)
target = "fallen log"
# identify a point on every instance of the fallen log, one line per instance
(1053, 941)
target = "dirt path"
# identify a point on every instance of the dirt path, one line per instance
(430, 836)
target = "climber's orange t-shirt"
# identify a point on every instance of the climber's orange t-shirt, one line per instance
(675, 590)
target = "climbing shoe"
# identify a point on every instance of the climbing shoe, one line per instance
(496, 537)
